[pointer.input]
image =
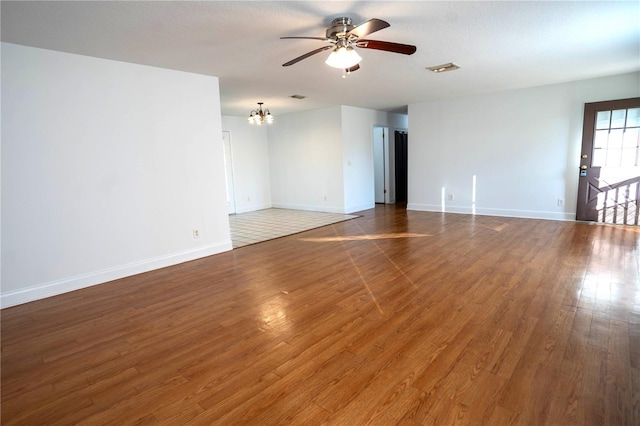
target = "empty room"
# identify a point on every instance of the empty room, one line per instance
(320, 213)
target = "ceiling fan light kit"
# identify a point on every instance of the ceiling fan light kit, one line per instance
(258, 116)
(344, 38)
(343, 57)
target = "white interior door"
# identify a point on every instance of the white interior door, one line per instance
(380, 135)
(228, 172)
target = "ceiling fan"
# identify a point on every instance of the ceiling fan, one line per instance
(343, 37)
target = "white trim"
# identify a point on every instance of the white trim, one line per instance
(323, 209)
(54, 288)
(253, 208)
(525, 214)
(360, 208)
(308, 208)
(229, 173)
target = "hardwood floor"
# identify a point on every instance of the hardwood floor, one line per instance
(392, 318)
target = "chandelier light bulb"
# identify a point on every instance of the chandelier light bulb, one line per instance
(269, 118)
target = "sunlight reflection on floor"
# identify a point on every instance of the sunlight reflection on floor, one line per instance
(364, 237)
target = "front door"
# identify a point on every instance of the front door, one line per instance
(609, 175)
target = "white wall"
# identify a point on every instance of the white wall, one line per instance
(522, 145)
(107, 167)
(250, 156)
(305, 153)
(322, 159)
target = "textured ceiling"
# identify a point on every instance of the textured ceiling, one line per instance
(498, 45)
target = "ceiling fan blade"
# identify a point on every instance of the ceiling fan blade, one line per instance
(405, 49)
(366, 28)
(306, 55)
(308, 38)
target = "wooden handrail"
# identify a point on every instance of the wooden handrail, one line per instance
(630, 181)
(630, 216)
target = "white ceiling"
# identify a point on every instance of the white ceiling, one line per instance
(498, 45)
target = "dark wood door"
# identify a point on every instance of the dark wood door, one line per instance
(609, 175)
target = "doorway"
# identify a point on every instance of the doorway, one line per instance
(609, 175)
(401, 158)
(228, 172)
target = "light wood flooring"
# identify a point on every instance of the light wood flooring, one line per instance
(395, 317)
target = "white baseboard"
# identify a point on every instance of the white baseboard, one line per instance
(525, 214)
(323, 209)
(246, 209)
(55, 288)
(309, 208)
(353, 209)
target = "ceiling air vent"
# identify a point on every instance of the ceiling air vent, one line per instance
(443, 68)
(297, 96)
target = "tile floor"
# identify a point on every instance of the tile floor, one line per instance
(262, 225)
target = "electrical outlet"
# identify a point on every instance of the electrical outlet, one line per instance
(196, 234)
(560, 202)
(450, 197)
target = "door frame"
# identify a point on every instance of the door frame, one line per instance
(381, 163)
(228, 172)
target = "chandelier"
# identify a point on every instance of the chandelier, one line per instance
(258, 116)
